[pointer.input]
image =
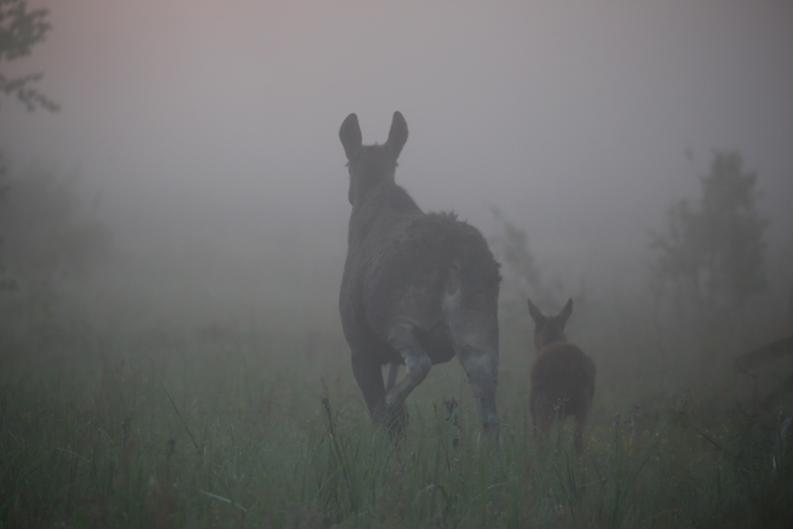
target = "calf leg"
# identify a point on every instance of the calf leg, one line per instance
(541, 418)
(580, 425)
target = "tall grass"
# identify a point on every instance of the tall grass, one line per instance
(186, 434)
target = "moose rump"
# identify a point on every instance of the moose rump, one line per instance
(425, 277)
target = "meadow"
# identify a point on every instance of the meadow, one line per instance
(246, 428)
(173, 230)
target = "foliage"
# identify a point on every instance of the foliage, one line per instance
(515, 251)
(50, 232)
(190, 434)
(21, 29)
(49, 239)
(523, 277)
(712, 255)
(520, 264)
(7, 283)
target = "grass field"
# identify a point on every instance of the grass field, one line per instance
(177, 433)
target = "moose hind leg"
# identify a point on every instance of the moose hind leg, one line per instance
(402, 338)
(370, 379)
(481, 367)
(393, 372)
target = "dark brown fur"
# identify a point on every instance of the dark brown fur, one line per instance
(418, 288)
(562, 377)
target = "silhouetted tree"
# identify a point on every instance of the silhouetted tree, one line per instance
(21, 29)
(523, 277)
(516, 256)
(51, 241)
(7, 283)
(512, 245)
(712, 254)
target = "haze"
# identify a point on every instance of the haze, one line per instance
(172, 243)
(209, 130)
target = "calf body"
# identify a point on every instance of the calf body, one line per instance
(418, 289)
(562, 377)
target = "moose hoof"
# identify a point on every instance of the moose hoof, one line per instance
(491, 428)
(396, 420)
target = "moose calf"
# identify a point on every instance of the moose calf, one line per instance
(562, 377)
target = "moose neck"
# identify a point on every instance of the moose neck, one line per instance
(542, 343)
(385, 202)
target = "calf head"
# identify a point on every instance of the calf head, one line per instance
(549, 329)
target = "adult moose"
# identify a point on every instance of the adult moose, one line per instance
(418, 288)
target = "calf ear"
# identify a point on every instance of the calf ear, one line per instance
(398, 134)
(350, 136)
(567, 310)
(535, 314)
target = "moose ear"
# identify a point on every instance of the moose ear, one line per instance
(535, 313)
(567, 310)
(350, 136)
(398, 134)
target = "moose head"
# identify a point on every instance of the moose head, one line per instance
(371, 165)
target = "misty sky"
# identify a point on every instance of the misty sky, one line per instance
(217, 121)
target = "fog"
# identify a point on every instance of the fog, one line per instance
(208, 132)
(172, 243)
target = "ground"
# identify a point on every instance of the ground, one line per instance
(188, 433)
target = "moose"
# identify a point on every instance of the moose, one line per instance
(418, 288)
(562, 377)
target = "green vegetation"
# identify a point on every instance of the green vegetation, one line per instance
(21, 30)
(713, 256)
(194, 432)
